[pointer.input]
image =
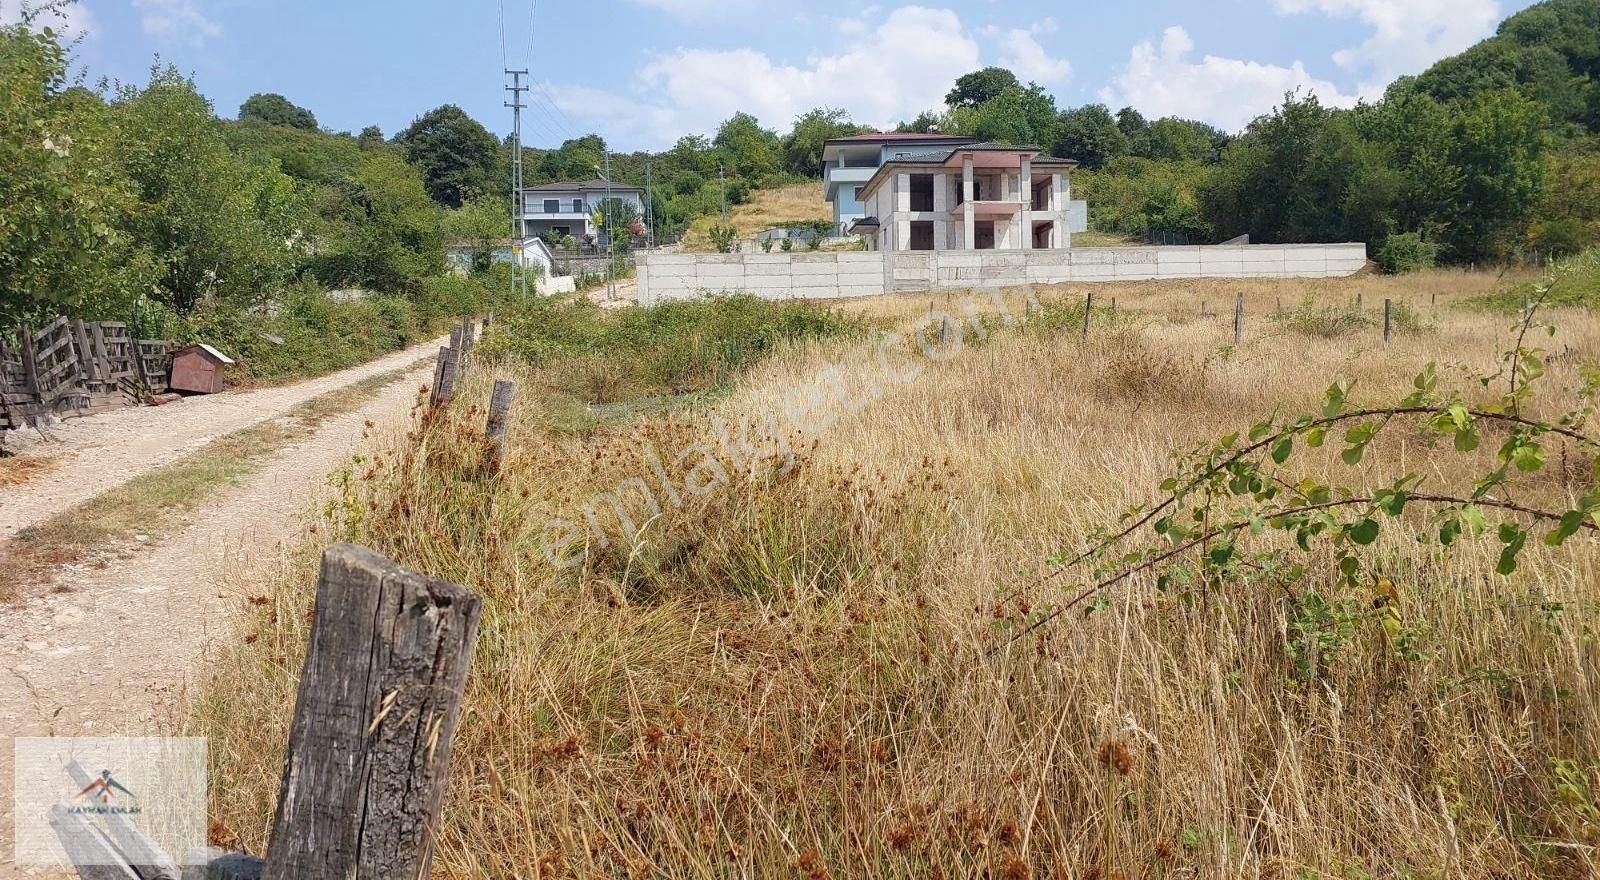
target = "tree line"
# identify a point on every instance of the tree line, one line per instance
(139, 200)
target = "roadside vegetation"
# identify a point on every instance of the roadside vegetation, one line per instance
(823, 664)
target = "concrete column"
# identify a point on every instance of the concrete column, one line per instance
(1066, 186)
(1058, 211)
(969, 220)
(941, 234)
(902, 235)
(941, 194)
(1025, 184)
(902, 193)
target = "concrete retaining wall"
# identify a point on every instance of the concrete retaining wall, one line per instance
(870, 273)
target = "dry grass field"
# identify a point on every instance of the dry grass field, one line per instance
(800, 656)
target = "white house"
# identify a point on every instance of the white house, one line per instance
(849, 162)
(970, 197)
(551, 210)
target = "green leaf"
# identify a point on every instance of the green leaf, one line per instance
(1281, 449)
(1466, 440)
(1315, 436)
(1221, 553)
(1571, 521)
(1391, 501)
(1508, 560)
(1528, 457)
(1459, 415)
(1428, 378)
(1353, 454)
(1449, 531)
(1364, 532)
(1333, 400)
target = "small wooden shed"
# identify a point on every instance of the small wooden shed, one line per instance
(198, 368)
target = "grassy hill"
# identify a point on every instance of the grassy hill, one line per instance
(765, 209)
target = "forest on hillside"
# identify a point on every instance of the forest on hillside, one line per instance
(139, 202)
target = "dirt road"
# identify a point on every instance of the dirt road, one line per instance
(114, 650)
(105, 451)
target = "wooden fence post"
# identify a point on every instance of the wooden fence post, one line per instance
(1238, 318)
(380, 695)
(1088, 309)
(1388, 307)
(495, 429)
(444, 376)
(87, 362)
(30, 362)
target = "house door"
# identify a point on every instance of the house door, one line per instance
(983, 235)
(921, 235)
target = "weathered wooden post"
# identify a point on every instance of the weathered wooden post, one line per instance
(444, 377)
(30, 362)
(1238, 318)
(1388, 307)
(380, 695)
(1088, 309)
(495, 430)
(1202, 308)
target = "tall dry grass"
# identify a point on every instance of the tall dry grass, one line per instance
(806, 671)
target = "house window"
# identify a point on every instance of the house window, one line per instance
(859, 192)
(577, 206)
(552, 206)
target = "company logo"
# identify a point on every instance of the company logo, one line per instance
(100, 794)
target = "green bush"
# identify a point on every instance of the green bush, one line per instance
(1406, 252)
(723, 238)
(1324, 320)
(1575, 283)
(672, 348)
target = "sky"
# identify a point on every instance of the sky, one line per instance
(642, 73)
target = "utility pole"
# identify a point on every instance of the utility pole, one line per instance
(649, 210)
(611, 237)
(519, 276)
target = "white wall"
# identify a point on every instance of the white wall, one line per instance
(870, 273)
(770, 276)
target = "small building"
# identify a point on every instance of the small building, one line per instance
(849, 162)
(969, 197)
(198, 368)
(553, 210)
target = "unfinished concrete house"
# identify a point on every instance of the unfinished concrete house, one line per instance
(969, 197)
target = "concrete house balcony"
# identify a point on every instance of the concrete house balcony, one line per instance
(556, 216)
(834, 176)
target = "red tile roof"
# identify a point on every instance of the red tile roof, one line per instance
(897, 136)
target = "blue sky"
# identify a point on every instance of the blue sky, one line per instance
(643, 72)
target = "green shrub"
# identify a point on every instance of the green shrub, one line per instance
(766, 245)
(1324, 320)
(723, 238)
(1406, 252)
(1574, 283)
(671, 348)
(787, 245)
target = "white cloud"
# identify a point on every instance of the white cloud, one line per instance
(177, 21)
(1228, 92)
(1028, 59)
(71, 21)
(1407, 35)
(900, 67)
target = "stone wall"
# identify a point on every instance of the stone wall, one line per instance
(862, 273)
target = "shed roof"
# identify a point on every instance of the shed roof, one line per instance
(208, 350)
